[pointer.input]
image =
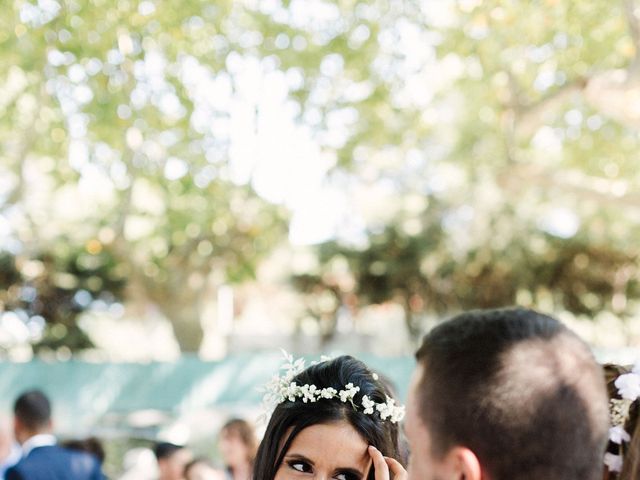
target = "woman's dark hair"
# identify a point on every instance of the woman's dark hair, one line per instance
(290, 418)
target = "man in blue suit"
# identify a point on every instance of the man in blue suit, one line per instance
(42, 458)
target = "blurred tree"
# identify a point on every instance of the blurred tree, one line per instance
(125, 123)
(489, 148)
(57, 286)
(527, 175)
(102, 150)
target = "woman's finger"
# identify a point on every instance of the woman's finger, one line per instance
(399, 473)
(379, 464)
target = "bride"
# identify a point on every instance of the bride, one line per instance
(333, 420)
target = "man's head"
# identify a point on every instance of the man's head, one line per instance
(32, 415)
(172, 460)
(506, 395)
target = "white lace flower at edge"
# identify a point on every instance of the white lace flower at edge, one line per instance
(282, 388)
(628, 385)
(618, 435)
(613, 462)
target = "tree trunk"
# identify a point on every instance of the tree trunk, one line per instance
(185, 320)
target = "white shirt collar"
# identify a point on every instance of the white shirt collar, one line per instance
(40, 440)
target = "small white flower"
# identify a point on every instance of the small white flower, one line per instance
(398, 414)
(292, 391)
(368, 405)
(386, 409)
(613, 462)
(328, 393)
(628, 386)
(349, 393)
(304, 390)
(282, 388)
(376, 377)
(383, 409)
(308, 393)
(618, 435)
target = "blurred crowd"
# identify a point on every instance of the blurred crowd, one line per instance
(33, 427)
(506, 394)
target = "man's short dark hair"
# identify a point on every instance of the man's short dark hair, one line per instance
(165, 450)
(517, 388)
(33, 410)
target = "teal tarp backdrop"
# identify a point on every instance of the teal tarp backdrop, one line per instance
(83, 393)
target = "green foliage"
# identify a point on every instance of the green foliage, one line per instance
(99, 147)
(526, 171)
(497, 140)
(49, 292)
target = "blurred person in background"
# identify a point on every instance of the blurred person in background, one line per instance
(172, 460)
(42, 458)
(238, 446)
(10, 452)
(202, 469)
(139, 464)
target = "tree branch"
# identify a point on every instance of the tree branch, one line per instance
(576, 183)
(530, 117)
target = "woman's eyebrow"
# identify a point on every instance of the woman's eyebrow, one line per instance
(298, 456)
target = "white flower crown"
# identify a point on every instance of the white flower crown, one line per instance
(628, 386)
(282, 388)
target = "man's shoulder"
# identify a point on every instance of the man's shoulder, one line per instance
(53, 458)
(45, 453)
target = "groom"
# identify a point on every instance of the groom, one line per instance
(506, 395)
(42, 458)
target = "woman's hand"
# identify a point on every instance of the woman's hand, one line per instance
(383, 465)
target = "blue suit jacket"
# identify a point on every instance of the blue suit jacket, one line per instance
(56, 463)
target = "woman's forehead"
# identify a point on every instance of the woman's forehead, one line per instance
(333, 445)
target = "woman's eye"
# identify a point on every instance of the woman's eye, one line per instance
(303, 467)
(346, 476)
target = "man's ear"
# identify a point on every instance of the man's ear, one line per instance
(462, 463)
(18, 429)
